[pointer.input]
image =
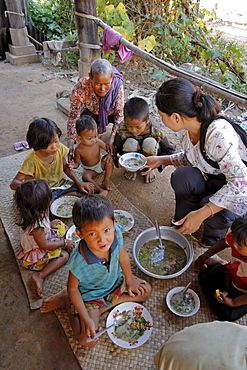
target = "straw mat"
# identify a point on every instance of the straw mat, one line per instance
(106, 355)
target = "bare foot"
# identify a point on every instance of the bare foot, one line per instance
(130, 175)
(55, 301)
(149, 177)
(106, 185)
(103, 192)
(38, 281)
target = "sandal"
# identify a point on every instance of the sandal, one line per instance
(24, 143)
(19, 145)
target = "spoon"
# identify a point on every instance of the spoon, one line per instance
(159, 255)
(161, 246)
(178, 297)
(118, 321)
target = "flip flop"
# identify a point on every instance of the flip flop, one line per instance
(24, 143)
(18, 145)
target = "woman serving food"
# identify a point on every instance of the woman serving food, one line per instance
(204, 193)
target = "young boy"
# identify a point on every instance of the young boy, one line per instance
(140, 133)
(225, 284)
(88, 154)
(46, 160)
(100, 274)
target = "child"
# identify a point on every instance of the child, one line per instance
(47, 160)
(88, 154)
(40, 250)
(140, 133)
(229, 303)
(100, 275)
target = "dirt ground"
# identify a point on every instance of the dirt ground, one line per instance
(32, 340)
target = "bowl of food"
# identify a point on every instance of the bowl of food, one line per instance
(124, 220)
(62, 207)
(137, 326)
(71, 234)
(162, 263)
(132, 161)
(185, 307)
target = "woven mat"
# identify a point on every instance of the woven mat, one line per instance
(107, 355)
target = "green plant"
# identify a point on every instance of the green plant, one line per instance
(53, 17)
(182, 37)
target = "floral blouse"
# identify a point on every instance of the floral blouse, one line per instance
(84, 96)
(223, 145)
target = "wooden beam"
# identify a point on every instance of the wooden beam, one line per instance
(87, 34)
(15, 15)
(196, 79)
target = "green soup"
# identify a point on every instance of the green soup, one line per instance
(150, 257)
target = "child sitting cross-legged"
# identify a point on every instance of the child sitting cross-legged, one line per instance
(46, 160)
(100, 274)
(229, 303)
(140, 133)
(87, 153)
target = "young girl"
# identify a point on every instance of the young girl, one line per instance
(225, 285)
(41, 249)
(100, 274)
(47, 160)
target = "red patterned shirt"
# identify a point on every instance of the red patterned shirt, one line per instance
(84, 96)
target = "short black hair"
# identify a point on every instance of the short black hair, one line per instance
(41, 132)
(136, 108)
(239, 231)
(91, 208)
(85, 123)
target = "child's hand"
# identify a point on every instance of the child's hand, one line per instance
(55, 223)
(200, 261)
(108, 159)
(222, 297)
(90, 328)
(69, 245)
(71, 165)
(86, 187)
(136, 286)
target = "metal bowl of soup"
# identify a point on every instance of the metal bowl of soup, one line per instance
(159, 263)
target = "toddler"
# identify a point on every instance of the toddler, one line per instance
(225, 284)
(100, 274)
(88, 154)
(41, 249)
(140, 133)
(47, 160)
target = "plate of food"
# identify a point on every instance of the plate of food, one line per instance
(132, 161)
(137, 327)
(71, 234)
(62, 207)
(186, 307)
(124, 219)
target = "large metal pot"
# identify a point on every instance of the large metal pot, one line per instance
(167, 233)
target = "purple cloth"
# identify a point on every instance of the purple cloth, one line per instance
(107, 103)
(112, 37)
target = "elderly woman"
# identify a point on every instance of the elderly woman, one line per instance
(101, 96)
(215, 196)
